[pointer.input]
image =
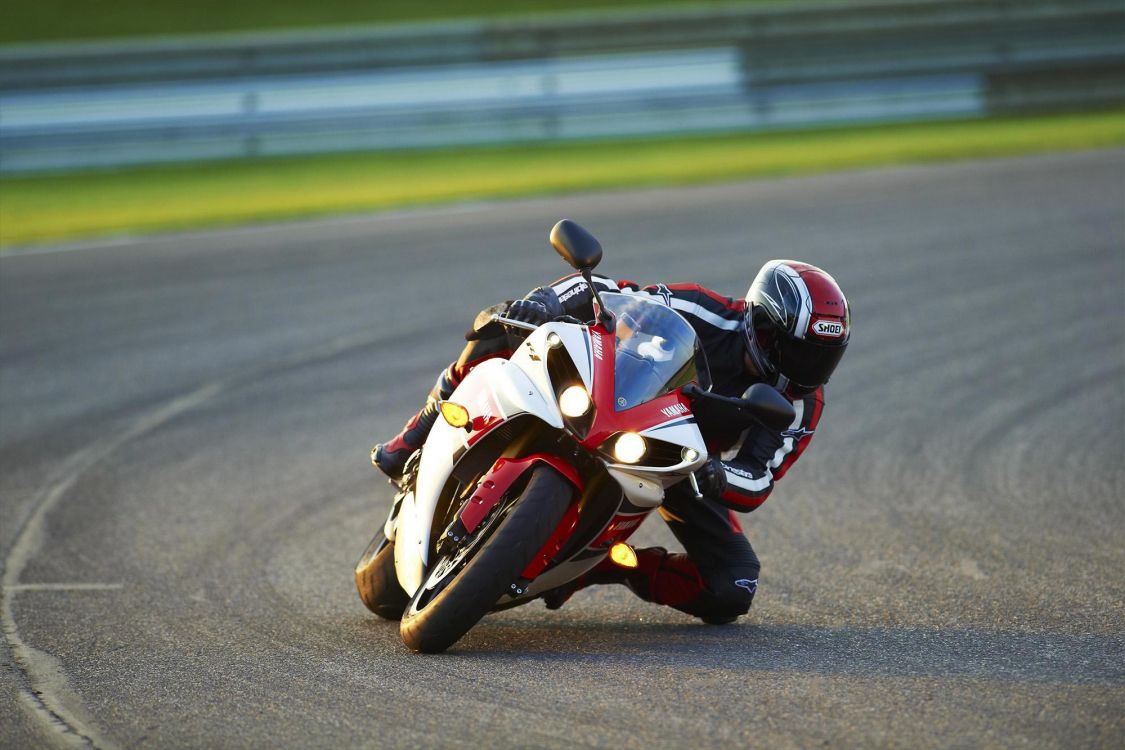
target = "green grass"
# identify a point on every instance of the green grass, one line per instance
(38, 209)
(56, 20)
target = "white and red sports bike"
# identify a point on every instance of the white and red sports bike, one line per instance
(545, 463)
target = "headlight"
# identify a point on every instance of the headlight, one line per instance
(629, 448)
(574, 401)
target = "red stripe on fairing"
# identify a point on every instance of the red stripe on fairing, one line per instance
(607, 419)
(500, 479)
(482, 426)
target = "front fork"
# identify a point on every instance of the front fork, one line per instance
(404, 486)
(486, 497)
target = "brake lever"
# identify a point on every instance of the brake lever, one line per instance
(497, 318)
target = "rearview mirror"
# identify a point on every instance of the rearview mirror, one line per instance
(771, 408)
(578, 247)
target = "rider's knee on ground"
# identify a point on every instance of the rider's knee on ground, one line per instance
(728, 593)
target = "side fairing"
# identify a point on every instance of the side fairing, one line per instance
(494, 391)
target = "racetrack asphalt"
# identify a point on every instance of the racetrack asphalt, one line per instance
(184, 482)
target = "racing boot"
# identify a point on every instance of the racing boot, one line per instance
(659, 577)
(638, 579)
(390, 457)
(607, 571)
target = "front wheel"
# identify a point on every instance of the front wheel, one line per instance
(376, 582)
(464, 584)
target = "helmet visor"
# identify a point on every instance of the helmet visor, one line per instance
(807, 363)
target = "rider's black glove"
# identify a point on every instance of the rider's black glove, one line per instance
(529, 311)
(712, 478)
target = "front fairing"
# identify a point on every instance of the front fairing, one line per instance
(639, 368)
(498, 391)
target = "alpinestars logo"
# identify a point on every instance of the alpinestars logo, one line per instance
(731, 469)
(675, 410)
(750, 584)
(578, 289)
(797, 433)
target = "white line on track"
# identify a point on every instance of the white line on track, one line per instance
(64, 587)
(49, 695)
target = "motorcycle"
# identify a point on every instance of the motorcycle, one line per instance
(545, 463)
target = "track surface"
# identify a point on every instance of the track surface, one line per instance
(183, 468)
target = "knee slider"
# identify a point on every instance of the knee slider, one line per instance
(734, 590)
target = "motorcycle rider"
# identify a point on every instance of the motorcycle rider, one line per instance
(789, 331)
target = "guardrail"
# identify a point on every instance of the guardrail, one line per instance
(410, 86)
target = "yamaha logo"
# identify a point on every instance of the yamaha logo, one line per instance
(832, 329)
(674, 410)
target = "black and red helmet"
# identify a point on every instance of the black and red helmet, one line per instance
(797, 325)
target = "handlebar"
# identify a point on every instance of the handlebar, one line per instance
(498, 318)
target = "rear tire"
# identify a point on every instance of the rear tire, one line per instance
(443, 610)
(376, 581)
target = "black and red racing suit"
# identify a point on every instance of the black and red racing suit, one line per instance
(717, 576)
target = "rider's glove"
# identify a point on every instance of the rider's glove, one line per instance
(712, 478)
(529, 311)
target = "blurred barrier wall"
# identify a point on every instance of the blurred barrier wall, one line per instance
(103, 104)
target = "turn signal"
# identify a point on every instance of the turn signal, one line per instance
(455, 414)
(622, 554)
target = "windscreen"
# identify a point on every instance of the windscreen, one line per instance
(655, 350)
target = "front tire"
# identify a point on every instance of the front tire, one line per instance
(457, 594)
(376, 581)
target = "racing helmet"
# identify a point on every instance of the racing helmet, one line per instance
(797, 325)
